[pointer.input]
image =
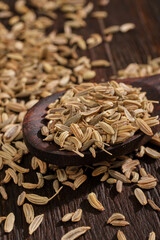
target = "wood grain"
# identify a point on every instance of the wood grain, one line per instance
(133, 46)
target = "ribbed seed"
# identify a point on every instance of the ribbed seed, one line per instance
(79, 180)
(152, 153)
(120, 235)
(120, 223)
(9, 223)
(144, 126)
(67, 217)
(21, 198)
(77, 215)
(75, 233)
(111, 180)
(94, 202)
(99, 170)
(35, 223)
(153, 205)
(116, 216)
(118, 176)
(28, 212)
(119, 186)
(152, 236)
(140, 196)
(3, 193)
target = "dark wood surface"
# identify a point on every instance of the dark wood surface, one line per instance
(133, 46)
(49, 151)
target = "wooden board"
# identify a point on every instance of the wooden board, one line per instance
(134, 46)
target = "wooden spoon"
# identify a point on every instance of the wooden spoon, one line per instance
(49, 151)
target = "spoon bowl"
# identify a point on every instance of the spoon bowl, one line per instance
(49, 151)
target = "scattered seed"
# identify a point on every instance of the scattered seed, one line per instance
(28, 212)
(79, 180)
(140, 196)
(115, 216)
(3, 193)
(35, 223)
(9, 223)
(119, 186)
(152, 236)
(67, 217)
(92, 198)
(77, 215)
(120, 223)
(21, 198)
(153, 205)
(120, 235)
(75, 233)
(152, 153)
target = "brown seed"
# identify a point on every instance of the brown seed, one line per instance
(35, 223)
(144, 126)
(13, 175)
(61, 175)
(75, 233)
(94, 202)
(69, 184)
(143, 172)
(153, 205)
(152, 153)
(111, 180)
(119, 185)
(118, 176)
(2, 219)
(100, 63)
(116, 216)
(21, 198)
(120, 223)
(67, 217)
(152, 236)
(99, 170)
(3, 193)
(140, 196)
(77, 215)
(9, 223)
(28, 212)
(127, 27)
(135, 177)
(79, 180)
(99, 14)
(120, 235)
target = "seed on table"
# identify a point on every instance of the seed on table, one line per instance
(21, 198)
(67, 217)
(116, 216)
(94, 202)
(152, 236)
(9, 223)
(35, 223)
(3, 193)
(75, 233)
(140, 196)
(120, 235)
(77, 215)
(120, 223)
(28, 212)
(153, 205)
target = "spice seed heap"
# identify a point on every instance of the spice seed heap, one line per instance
(90, 116)
(34, 65)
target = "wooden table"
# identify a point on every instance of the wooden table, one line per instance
(133, 46)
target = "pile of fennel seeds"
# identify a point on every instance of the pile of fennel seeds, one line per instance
(91, 116)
